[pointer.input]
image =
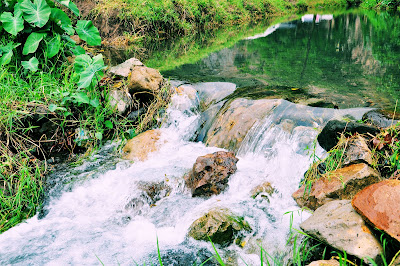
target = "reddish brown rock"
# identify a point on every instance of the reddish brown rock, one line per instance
(343, 183)
(380, 205)
(210, 173)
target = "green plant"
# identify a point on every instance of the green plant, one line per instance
(39, 30)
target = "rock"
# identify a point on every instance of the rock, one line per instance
(120, 99)
(140, 146)
(187, 90)
(264, 190)
(210, 173)
(154, 191)
(343, 183)
(144, 79)
(220, 225)
(328, 138)
(339, 225)
(380, 205)
(123, 70)
(232, 123)
(378, 118)
(358, 151)
(330, 262)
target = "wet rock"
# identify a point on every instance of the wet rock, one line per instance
(380, 205)
(343, 183)
(123, 70)
(233, 122)
(328, 138)
(264, 190)
(145, 79)
(379, 118)
(140, 146)
(210, 173)
(154, 191)
(120, 100)
(339, 225)
(220, 225)
(358, 151)
(213, 92)
(331, 262)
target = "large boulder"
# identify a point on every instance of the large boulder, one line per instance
(343, 183)
(140, 146)
(220, 225)
(339, 225)
(210, 173)
(328, 138)
(233, 122)
(123, 70)
(145, 79)
(380, 205)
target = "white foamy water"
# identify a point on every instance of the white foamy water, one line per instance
(87, 220)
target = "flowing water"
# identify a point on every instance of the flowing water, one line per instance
(86, 218)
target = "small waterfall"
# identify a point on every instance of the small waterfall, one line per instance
(96, 212)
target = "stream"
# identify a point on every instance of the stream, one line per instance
(86, 218)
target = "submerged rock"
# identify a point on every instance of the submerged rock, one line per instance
(123, 70)
(343, 183)
(264, 190)
(220, 225)
(233, 122)
(339, 225)
(328, 138)
(210, 173)
(380, 205)
(145, 79)
(140, 146)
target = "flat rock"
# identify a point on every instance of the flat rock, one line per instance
(343, 183)
(233, 122)
(328, 138)
(379, 118)
(145, 80)
(140, 146)
(339, 225)
(380, 205)
(123, 70)
(210, 173)
(331, 262)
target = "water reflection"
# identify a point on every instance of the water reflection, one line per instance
(347, 59)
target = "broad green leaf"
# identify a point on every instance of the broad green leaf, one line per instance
(70, 5)
(7, 54)
(108, 124)
(81, 97)
(94, 102)
(37, 13)
(77, 50)
(31, 65)
(32, 42)
(53, 46)
(87, 32)
(98, 135)
(62, 20)
(52, 107)
(12, 24)
(82, 62)
(92, 73)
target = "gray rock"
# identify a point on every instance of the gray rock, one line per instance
(358, 151)
(120, 100)
(339, 225)
(123, 70)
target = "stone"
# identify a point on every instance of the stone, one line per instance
(358, 151)
(210, 173)
(330, 262)
(220, 225)
(120, 100)
(328, 138)
(145, 79)
(264, 190)
(154, 191)
(140, 146)
(379, 204)
(342, 183)
(339, 225)
(379, 118)
(233, 122)
(123, 70)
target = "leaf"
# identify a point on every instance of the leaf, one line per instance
(77, 50)
(80, 97)
(31, 65)
(7, 54)
(89, 70)
(99, 135)
(32, 42)
(95, 102)
(87, 32)
(108, 124)
(53, 46)
(70, 5)
(52, 107)
(12, 24)
(62, 20)
(37, 13)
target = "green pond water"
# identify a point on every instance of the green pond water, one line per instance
(342, 60)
